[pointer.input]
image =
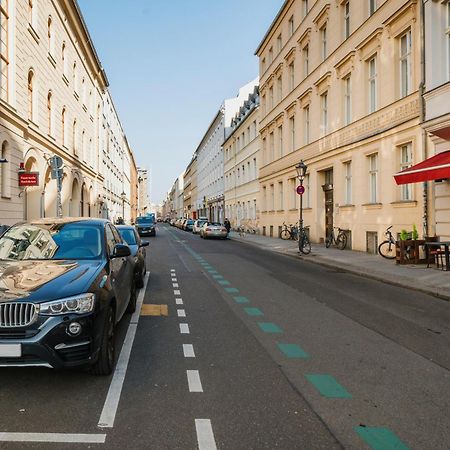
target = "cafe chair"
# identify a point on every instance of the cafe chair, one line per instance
(436, 256)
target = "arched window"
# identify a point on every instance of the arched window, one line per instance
(74, 137)
(49, 112)
(64, 59)
(49, 35)
(83, 143)
(5, 171)
(74, 77)
(30, 94)
(4, 60)
(30, 12)
(63, 126)
(83, 91)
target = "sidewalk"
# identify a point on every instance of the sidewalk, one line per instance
(418, 277)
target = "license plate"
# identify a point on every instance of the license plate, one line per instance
(11, 350)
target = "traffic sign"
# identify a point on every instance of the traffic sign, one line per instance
(300, 190)
(56, 162)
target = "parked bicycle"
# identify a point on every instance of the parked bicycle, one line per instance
(340, 240)
(387, 248)
(304, 244)
(289, 232)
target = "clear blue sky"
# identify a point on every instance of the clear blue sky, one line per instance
(170, 63)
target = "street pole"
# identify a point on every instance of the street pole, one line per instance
(301, 209)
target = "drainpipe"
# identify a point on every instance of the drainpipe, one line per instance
(422, 114)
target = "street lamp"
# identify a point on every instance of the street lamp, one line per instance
(123, 196)
(301, 172)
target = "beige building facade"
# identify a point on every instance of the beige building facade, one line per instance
(241, 151)
(190, 189)
(339, 87)
(54, 101)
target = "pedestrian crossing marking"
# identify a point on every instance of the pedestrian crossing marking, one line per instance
(154, 310)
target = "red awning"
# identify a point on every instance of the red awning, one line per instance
(435, 168)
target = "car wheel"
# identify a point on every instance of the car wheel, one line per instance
(131, 308)
(105, 362)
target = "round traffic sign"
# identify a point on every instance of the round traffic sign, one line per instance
(300, 190)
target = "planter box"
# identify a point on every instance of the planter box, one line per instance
(410, 251)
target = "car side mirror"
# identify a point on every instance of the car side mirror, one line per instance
(144, 244)
(121, 251)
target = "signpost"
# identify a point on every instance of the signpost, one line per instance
(56, 164)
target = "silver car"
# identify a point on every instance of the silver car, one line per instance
(198, 226)
(213, 229)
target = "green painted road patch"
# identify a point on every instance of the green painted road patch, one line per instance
(269, 327)
(232, 290)
(223, 282)
(293, 351)
(217, 277)
(241, 299)
(328, 386)
(253, 311)
(380, 438)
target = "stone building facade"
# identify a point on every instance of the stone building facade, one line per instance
(54, 101)
(339, 87)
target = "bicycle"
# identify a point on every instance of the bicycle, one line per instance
(340, 240)
(304, 244)
(387, 248)
(289, 232)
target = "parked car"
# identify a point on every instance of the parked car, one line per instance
(188, 224)
(145, 225)
(213, 229)
(181, 224)
(198, 225)
(79, 283)
(137, 247)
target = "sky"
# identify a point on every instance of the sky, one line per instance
(170, 65)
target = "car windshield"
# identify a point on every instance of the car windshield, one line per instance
(200, 223)
(128, 235)
(214, 224)
(74, 240)
(142, 220)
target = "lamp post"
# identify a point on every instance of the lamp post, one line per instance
(301, 168)
(123, 195)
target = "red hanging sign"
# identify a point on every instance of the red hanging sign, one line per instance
(29, 179)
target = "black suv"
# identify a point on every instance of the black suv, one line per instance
(64, 284)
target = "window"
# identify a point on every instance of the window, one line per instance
(74, 77)
(74, 137)
(305, 7)
(306, 125)
(279, 43)
(270, 98)
(373, 178)
(307, 194)
(348, 182)
(405, 64)
(272, 198)
(292, 131)
(405, 162)
(279, 88)
(324, 113)
(347, 100)
(5, 170)
(291, 76)
(49, 112)
(64, 59)
(323, 40)
(4, 60)
(255, 169)
(264, 199)
(291, 26)
(31, 13)
(346, 10)
(280, 140)
(280, 196)
(293, 193)
(30, 95)
(63, 127)
(270, 55)
(263, 65)
(49, 36)
(306, 60)
(372, 6)
(271, 147)
(83, 145)
(372, 69)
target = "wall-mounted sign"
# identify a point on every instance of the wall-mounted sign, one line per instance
(28, 178)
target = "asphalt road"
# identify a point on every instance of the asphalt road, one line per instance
(258, 351)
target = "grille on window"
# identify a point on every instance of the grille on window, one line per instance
(16, 314)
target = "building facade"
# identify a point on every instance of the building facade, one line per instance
(190, 189)
(241, 164)
(143, 200)
(53, 102)
(339, 87)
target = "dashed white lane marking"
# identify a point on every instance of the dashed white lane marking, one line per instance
(176, 293)
(115, 389)
(54, 437)
(205, 435)
(195, 385)
(174, 280)
(188, 351)
(179, 301)
(172, 270)
(184, 328)
(181, 313)
(175, 285)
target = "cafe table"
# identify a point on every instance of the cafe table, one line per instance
(439, 245)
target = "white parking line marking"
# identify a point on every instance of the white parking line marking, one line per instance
(54, 437)
(174, 280)
(184, 328)
(179, 301)
(172, 270)
(115, 389)
(188, 351)
(181, 313)
(205, 435)
(195, 385)
(176, 293)
(175, 285)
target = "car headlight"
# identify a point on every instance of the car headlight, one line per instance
(79, 304)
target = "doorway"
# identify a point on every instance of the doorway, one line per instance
(329, 201)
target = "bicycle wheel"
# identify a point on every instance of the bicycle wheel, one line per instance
(387, 250)
(285, 234)
(304, 245)
(341, 241)
(328, 241)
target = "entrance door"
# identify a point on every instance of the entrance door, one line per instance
(329, 201)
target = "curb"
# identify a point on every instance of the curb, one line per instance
(439, 293)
